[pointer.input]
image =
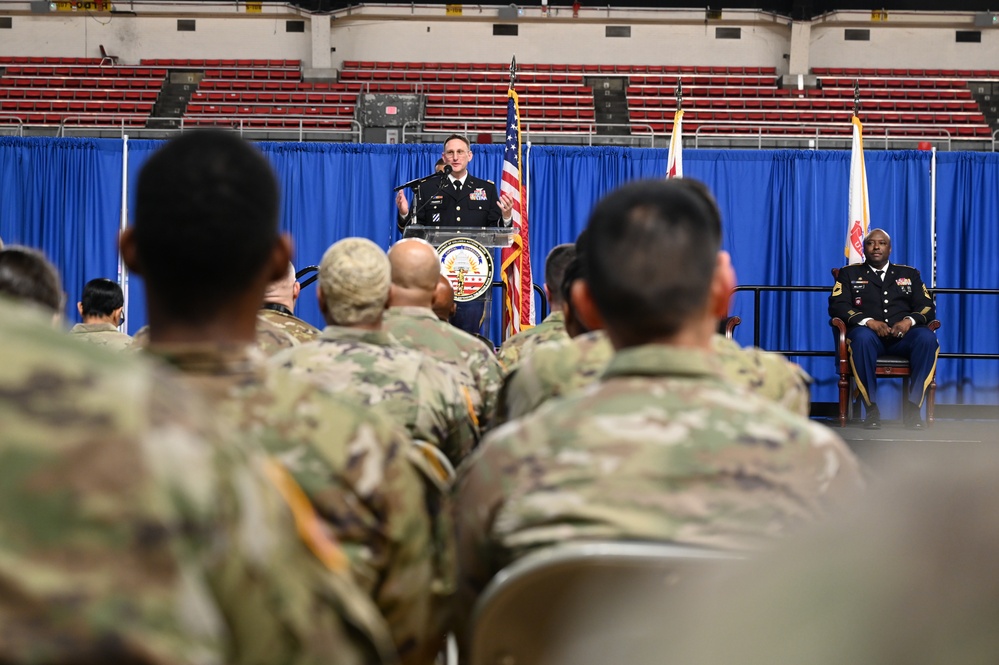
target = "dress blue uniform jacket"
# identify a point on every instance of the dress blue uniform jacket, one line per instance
(477, 204)
(858, 295)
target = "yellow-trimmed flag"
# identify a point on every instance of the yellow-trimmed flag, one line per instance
(674, 162)
(860, 206)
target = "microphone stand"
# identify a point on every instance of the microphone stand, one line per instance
(415, 186)
(440, 187)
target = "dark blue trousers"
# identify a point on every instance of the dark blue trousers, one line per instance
(468, 316)
(919, 345)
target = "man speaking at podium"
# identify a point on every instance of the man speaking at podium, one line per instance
(460, 199)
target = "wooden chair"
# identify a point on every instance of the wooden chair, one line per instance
(887, 367)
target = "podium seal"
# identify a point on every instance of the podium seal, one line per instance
(468, 265)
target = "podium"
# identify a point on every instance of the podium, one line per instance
(467, 261)
(487, 236)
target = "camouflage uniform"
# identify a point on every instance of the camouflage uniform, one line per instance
(520, 345)
(766, 374)
(272, 337)
(414, 390)
(419, 328)
(102, 334)
(562, 367)
(294, 326)
(662, 448)
(350, 463)
(133, 531)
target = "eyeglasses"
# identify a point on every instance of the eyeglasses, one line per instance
(455, 153)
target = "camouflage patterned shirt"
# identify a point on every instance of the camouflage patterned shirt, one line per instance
(352, 465)
(419, 393)
(419, 328)
(661, 448)
(136, 531)
(102, 334)
(520, 345)
(272, 337)
(562, 367)
(294, 326)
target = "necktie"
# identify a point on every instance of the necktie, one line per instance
(880, 274)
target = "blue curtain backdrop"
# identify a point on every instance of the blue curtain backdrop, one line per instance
(64, 197)
(784, 215)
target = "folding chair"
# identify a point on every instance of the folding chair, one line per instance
(579, 603)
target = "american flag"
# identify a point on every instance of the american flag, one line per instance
(518, 314)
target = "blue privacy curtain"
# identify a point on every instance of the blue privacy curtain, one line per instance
(784, 215)
(64, 197)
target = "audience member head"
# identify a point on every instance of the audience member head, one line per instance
(439, 166)
(555, 265)
(354, 281)
(573, 326)
(102, 302)
(443, 303)
(205, 237)
(285, 289)
(416, 270)
(652, 266)
(28, 277)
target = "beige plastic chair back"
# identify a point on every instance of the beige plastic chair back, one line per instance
(584, 603)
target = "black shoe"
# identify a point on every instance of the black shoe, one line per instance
(873, 419)
(912, 418)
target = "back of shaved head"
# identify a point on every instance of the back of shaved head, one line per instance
(443, 303)
(415, 269)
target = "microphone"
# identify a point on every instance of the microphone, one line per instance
(419, 181)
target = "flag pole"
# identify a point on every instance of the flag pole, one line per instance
(516, 259)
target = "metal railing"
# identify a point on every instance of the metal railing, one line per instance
(14, 121)
(241, 125)
(757, 290)
(707, 131)
(236, 123)
(117, 122)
